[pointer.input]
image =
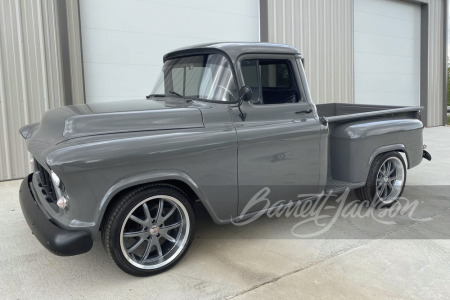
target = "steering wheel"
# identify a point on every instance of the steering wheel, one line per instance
(228, 91)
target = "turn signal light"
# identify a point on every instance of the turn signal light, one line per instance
(62, 202)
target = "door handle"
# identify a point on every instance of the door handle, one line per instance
(304, 111)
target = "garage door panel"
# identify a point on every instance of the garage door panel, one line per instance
(386, 83)
(129, 47)
(379, 44)
(387, 52)
(131, 81)
(385, 64)
(229, 6)
(391, 8)
(376, 24)
(397, 99)
(124, 40)
(162, 19)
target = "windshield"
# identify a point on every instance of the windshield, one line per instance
(206, 77)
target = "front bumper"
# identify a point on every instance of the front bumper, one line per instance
(57, 240)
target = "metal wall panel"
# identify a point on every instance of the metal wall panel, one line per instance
(323, 32)
(31, 74)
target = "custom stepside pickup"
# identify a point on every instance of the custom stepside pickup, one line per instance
(223, 121)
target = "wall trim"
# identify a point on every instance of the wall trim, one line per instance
(424, 62)
(444, 108)
(81, 47)
(65, 52)
(263, 20)
(70, 43)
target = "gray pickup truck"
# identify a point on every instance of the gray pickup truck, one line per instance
(223, 121)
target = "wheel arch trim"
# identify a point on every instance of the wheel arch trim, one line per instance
(149, 178)
(384, 149)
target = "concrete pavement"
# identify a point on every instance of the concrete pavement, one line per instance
(356, 258)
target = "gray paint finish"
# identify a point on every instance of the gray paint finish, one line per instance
(223, 160)
(354, 145)
(157, 119)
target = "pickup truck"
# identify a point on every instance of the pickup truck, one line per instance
(223, 121)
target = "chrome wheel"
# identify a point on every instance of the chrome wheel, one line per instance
(155, 232)
(390, 179)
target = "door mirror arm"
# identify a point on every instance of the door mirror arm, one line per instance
(245, 94)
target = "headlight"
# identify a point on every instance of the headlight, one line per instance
(55, 179)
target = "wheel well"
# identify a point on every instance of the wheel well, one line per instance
(182, 186)
(405, 157)
(403, 152)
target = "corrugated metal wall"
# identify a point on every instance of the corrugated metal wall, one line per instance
(31, 74)
(323, 32)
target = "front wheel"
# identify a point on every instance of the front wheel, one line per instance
(149, 230)
(386, 180)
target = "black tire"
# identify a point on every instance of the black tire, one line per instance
(369, 191)
(128, 205)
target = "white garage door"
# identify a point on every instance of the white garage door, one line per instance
(124, 40)
(387, 52)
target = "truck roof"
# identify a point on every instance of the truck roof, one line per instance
(233, 49)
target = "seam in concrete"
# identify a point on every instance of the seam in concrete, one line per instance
(348, 250)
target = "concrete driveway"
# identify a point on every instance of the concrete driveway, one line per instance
(356, 258)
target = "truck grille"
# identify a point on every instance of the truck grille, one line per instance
(46, 182)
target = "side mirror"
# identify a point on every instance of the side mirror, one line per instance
(245, 93)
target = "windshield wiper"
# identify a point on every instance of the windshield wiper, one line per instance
(175, 93)
(155, 95)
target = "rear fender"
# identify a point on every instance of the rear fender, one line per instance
(354, 145)
(384, 149)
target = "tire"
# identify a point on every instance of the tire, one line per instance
(149, 229)
(373, 191)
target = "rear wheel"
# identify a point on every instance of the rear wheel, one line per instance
(149, 230)
(386, 180)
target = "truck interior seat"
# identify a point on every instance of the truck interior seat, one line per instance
(279, 96)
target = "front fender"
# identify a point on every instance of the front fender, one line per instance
(27, 131)
(152, 178)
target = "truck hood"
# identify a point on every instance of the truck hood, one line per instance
(69, 122)
(127, 116)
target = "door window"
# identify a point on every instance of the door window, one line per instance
(271, 81)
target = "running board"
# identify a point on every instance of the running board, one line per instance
(338, 186)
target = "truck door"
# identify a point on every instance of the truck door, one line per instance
(278, 142)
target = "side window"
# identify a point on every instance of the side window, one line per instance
(249, 70)
(271, 81)
(275, 75)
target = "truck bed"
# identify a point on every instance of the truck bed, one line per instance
(337, 112)
(348, 161)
